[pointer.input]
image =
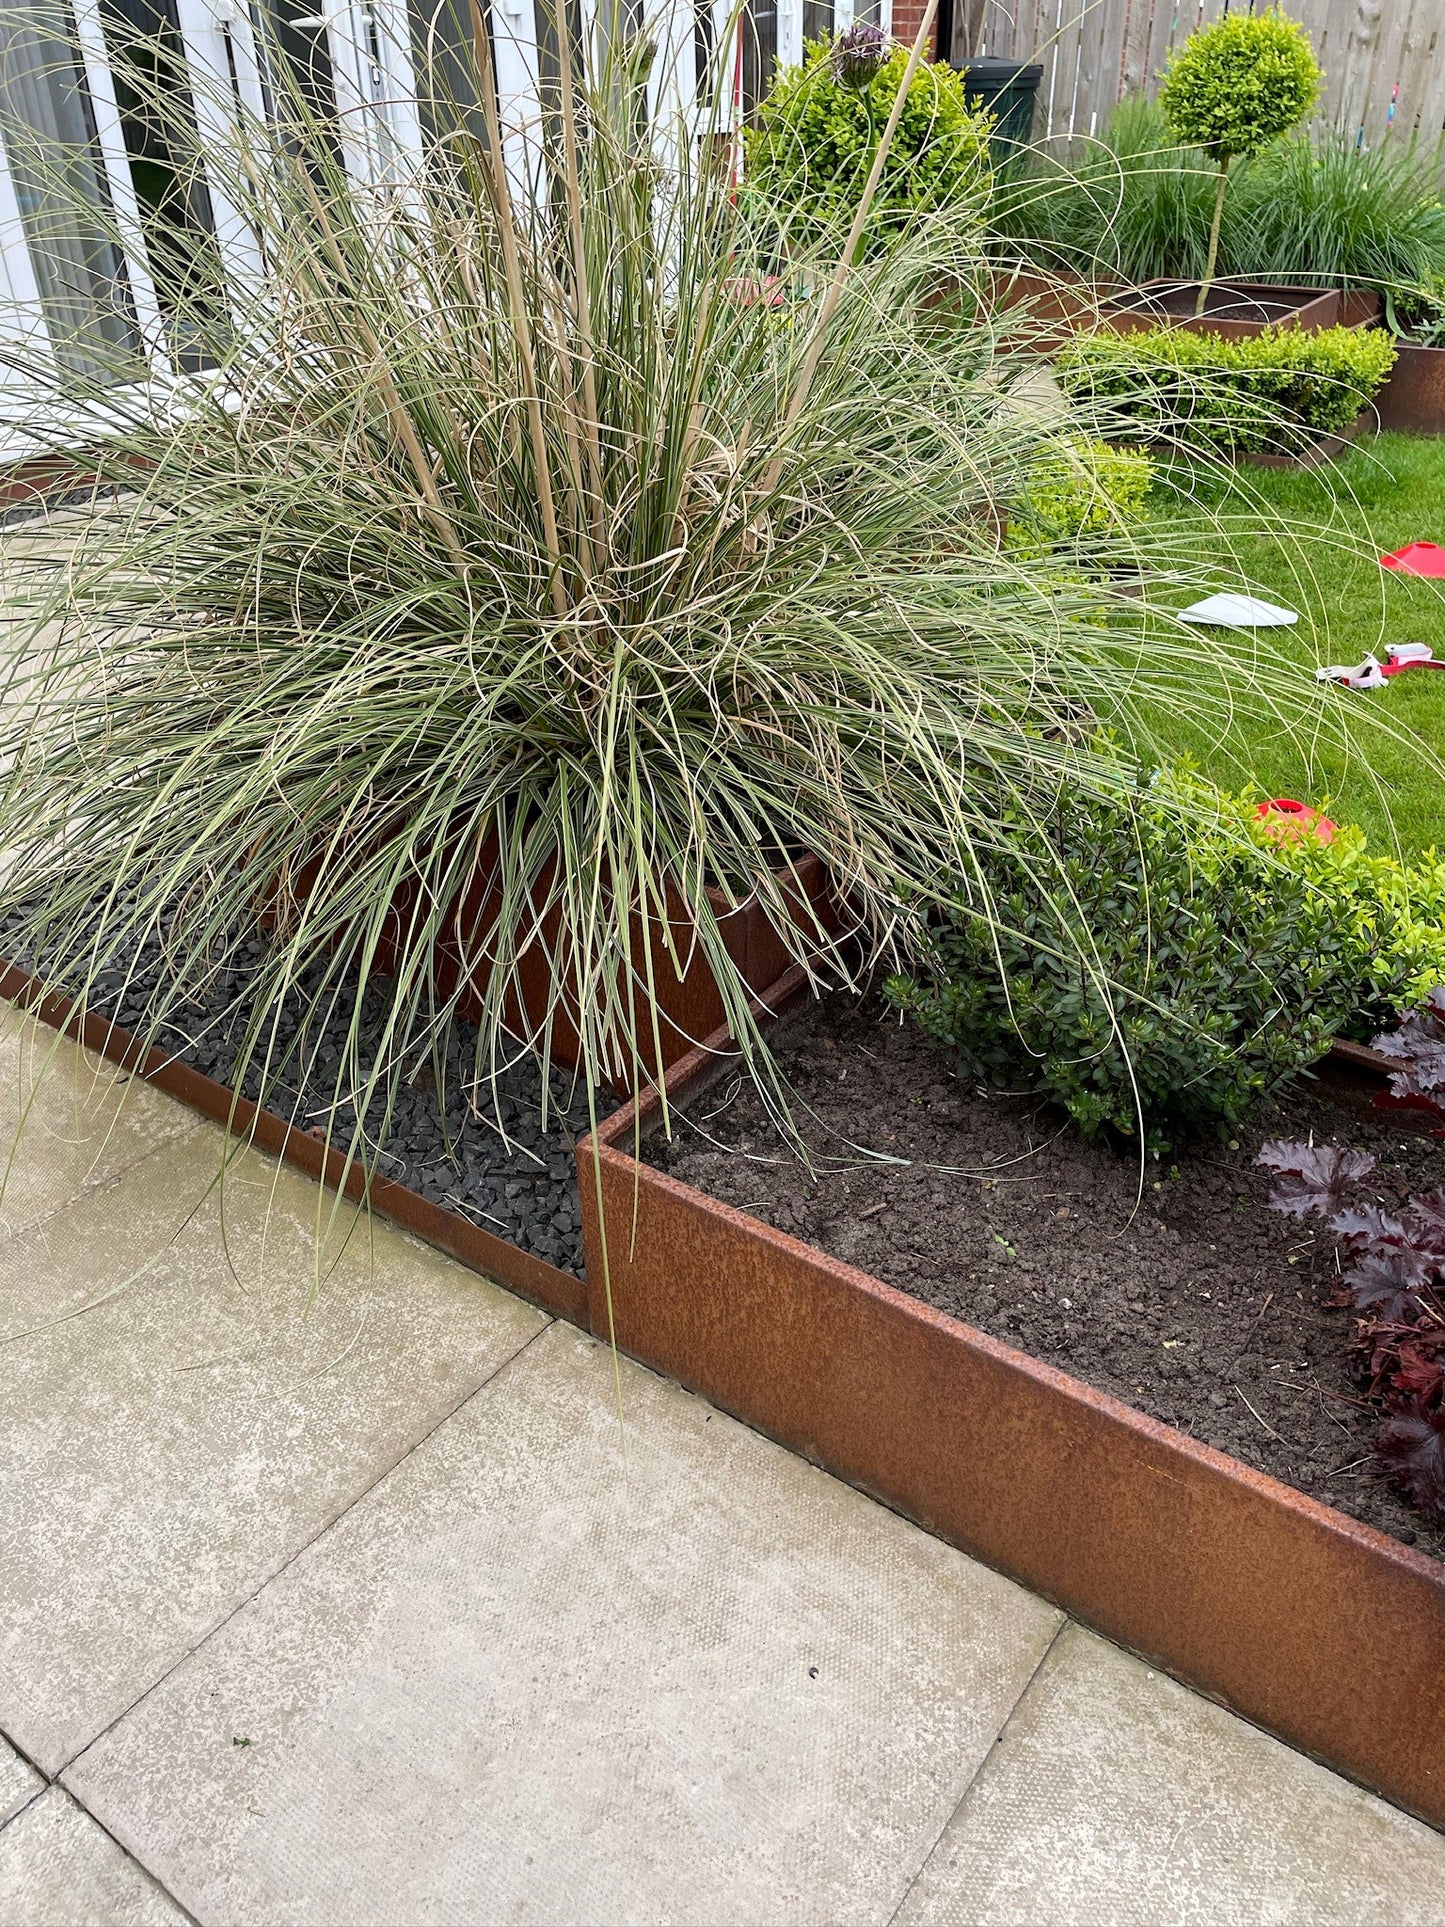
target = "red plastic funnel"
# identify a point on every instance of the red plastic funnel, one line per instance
(1416, 558)
(1286, 821)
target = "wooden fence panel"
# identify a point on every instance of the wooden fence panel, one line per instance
(1384, 60)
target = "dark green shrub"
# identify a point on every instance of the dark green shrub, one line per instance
(817, 132)
(1174, 964)
(1277, 390)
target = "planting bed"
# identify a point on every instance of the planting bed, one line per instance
(1232, 308)
(1192, 1302)
(492, 1164)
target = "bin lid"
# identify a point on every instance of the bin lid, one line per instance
(992, 75)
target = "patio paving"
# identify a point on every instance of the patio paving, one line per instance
(347, 1596)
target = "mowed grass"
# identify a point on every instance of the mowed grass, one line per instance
(1324, 530)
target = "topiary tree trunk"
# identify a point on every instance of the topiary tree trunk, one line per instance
(1211, 260)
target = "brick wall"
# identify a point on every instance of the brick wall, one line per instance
(906, 16)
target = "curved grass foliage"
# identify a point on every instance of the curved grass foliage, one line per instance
(1316, 208)
(544, 543)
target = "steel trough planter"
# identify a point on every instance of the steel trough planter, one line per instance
(1413, 397)
(1319, 1629)
(1233, 309)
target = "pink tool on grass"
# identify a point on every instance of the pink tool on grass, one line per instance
(1284, 820)
(1416, 558)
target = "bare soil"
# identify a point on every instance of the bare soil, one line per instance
(1169, 1284)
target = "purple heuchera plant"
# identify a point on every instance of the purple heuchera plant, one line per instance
(1394, 1280)
(1313, 1177)
(1418, 1042)
(859, 53)
(1411, 1446)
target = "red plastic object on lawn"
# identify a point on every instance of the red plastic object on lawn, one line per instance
(1287, 821)
(1416, 558)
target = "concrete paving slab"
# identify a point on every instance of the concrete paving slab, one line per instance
(69, 1121)
(19, 1782)
(59, 1869)
(554, 1671)
(1117, 1798)
(167, 1449)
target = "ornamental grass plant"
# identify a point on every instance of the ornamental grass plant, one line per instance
(535, 533)
(1313, 209)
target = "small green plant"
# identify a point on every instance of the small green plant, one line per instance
(818, 129)
(1418, 314)
(1232, 89)
(1078, 497)
(1277, 390)
(1172, 964)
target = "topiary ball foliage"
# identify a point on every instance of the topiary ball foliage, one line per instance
(817, 132)
(1241, 83)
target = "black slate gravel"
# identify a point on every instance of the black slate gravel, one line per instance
(488, 1159)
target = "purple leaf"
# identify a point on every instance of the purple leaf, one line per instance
(1368, 1224)
(1411, 1446)
(1383, 1283)
(1313, 1177)
(1425, 1220)
(1419, 1045)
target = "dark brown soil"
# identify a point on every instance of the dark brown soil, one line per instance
(1192, 1301)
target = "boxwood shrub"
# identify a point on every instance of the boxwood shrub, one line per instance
(1221, 962)
(1278, 390)
(817, 132)
(1078, 498)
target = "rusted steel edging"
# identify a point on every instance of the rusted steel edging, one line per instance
(531, 1278)
(1412, 400)
(1322, 1630)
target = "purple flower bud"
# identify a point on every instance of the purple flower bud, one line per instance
(859, 52)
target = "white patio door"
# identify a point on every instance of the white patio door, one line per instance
(71, 292)
(69, 296)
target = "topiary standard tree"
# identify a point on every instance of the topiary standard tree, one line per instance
(1232, 89)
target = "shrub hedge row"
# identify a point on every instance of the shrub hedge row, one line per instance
(1273, 391)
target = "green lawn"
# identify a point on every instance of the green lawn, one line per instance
(1389, 491)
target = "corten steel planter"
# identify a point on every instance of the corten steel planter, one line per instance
(1413, 397)
(1233, 308)
(47, 481)
(687, 1002)
(1315, 454)
(1060, 305)
(1323, 1631)
(532, 1278)
(1360, 307)
(1320, 1629)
